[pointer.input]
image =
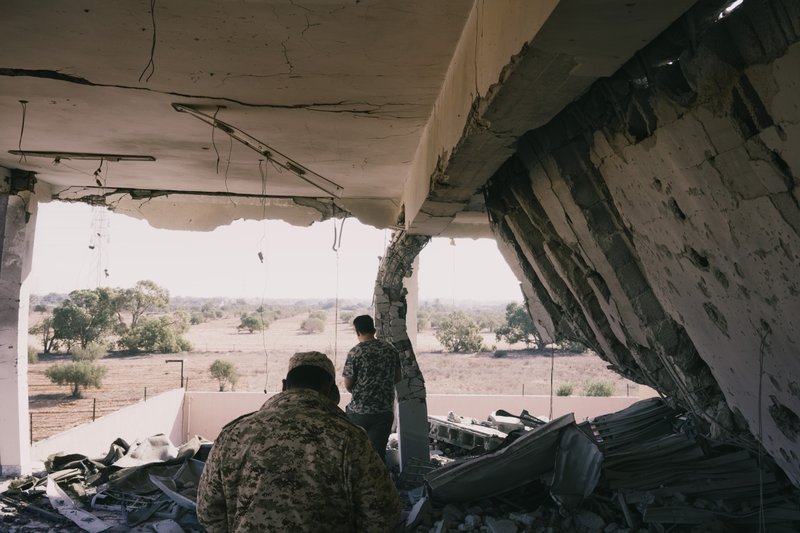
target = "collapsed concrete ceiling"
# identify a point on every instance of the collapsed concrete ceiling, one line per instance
(655, 218)
(394, 103)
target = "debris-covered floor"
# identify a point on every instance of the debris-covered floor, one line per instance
(645, 469)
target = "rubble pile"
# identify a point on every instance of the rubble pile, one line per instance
(150, 485)
(646, 469)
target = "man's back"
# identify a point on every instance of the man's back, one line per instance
(297, 464)
(373, 365)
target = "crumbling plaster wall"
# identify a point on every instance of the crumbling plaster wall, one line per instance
(657, 219)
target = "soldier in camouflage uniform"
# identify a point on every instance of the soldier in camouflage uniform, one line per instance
(370, 373)
(297, 464)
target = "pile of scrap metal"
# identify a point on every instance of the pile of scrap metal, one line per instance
(457, 436)
(148, 486)
(645, 468)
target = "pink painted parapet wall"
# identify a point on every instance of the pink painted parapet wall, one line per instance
(206, 412)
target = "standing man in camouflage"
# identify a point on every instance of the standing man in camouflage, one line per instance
(297, 464)
(370, 373)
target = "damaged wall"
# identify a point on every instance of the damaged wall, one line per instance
(656, 219)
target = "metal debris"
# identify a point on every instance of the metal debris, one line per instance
(155, 491)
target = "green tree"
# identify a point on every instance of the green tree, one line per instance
(144, 297)
(86, 316)
(163, 334)
(519, 327)
(77, 374)
(251, 322)
(224, 372)
(45, 329)
(459, 333)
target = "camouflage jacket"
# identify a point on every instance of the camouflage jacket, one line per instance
(372, 364)
(297, 464)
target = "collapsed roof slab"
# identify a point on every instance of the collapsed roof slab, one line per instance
(515, 67)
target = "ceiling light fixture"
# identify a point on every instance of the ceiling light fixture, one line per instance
(302, 172)
(82, 155)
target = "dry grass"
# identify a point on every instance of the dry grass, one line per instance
(257, 356)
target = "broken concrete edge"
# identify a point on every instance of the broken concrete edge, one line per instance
(591, 241)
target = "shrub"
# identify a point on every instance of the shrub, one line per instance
(318, 314)
(251, 322)
(599, 388)
(565, 389)
(92, 352)
(33, 355)
(459, 333)
(77, 374)
(313, 325)
(224, 372)
(500, 353)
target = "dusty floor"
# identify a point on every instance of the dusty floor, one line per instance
(129, 378)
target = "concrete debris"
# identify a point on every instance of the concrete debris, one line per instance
(522, 461)
(500, 526)
(155, 492)
(642, 469)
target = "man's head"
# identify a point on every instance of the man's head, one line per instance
(312, 370)
(364, 325)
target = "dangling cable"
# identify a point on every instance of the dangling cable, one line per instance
(151, 65)
(552, 371)
(213, 140)
(24, 104)
(337, 244)
(453, 301)
(262, 170)
(762, 524)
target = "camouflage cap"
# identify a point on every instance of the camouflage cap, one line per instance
(317, 359)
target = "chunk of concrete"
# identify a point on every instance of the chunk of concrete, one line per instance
(500, 526)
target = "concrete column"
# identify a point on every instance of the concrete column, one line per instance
(17, 223)
(392, 322)
(411, 285)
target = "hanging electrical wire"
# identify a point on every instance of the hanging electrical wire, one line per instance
(24, 104)
(262, 170)
(214, 141)
(453, 279)
(151, 65)
(337, 244)
(552, 371)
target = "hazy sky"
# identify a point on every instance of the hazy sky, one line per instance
(298, 261)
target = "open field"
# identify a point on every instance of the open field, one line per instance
(262, 359)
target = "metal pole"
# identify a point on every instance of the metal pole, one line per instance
(30, 426)
(177, 361)
(145, 394)
(94, 409)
